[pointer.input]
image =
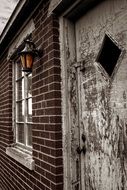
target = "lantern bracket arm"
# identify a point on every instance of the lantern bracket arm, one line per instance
(38, 52)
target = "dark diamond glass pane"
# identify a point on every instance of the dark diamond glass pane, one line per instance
(108, 55)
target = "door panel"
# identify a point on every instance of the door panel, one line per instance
(104, 165)
(98, 164)
(95, 102)
(102, 101)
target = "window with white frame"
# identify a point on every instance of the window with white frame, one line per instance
(23, 107)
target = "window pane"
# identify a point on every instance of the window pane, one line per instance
(29, 85)
(29, 134)
(19, 72)
(23, 103)
(20, 90)
(20, 133)
(20, 111)
(29, 110)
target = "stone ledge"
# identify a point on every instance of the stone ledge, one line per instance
(20, 156)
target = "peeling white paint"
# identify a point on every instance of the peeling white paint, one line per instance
(96, 102)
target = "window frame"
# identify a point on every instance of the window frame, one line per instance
(25, 122)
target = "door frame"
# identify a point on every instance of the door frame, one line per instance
(68, 55)
(66, 25)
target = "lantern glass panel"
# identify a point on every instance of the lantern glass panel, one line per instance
(29, 60)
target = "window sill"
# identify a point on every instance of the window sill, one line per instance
(20, 156)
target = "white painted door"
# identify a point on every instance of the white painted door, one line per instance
(99, 167)
(95, 99)
(101, 96)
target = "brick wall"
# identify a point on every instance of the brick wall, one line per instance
(6, 135)
(46, 131)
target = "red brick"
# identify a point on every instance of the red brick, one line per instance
(53, 103)
(57, 170)
(45, 149)
(45, 181)
(56, 187)
(56, 153)
(46, 104)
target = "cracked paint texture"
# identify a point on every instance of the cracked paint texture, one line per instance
(103, 99)
(98, 103)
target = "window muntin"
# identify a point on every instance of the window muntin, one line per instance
(23, 107)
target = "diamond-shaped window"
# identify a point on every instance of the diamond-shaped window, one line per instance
(108, 55)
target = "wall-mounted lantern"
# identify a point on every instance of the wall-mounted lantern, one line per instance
(27, 55)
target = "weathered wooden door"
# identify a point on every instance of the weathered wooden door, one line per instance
(101, 99)
(101, 139)
(97, 89)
